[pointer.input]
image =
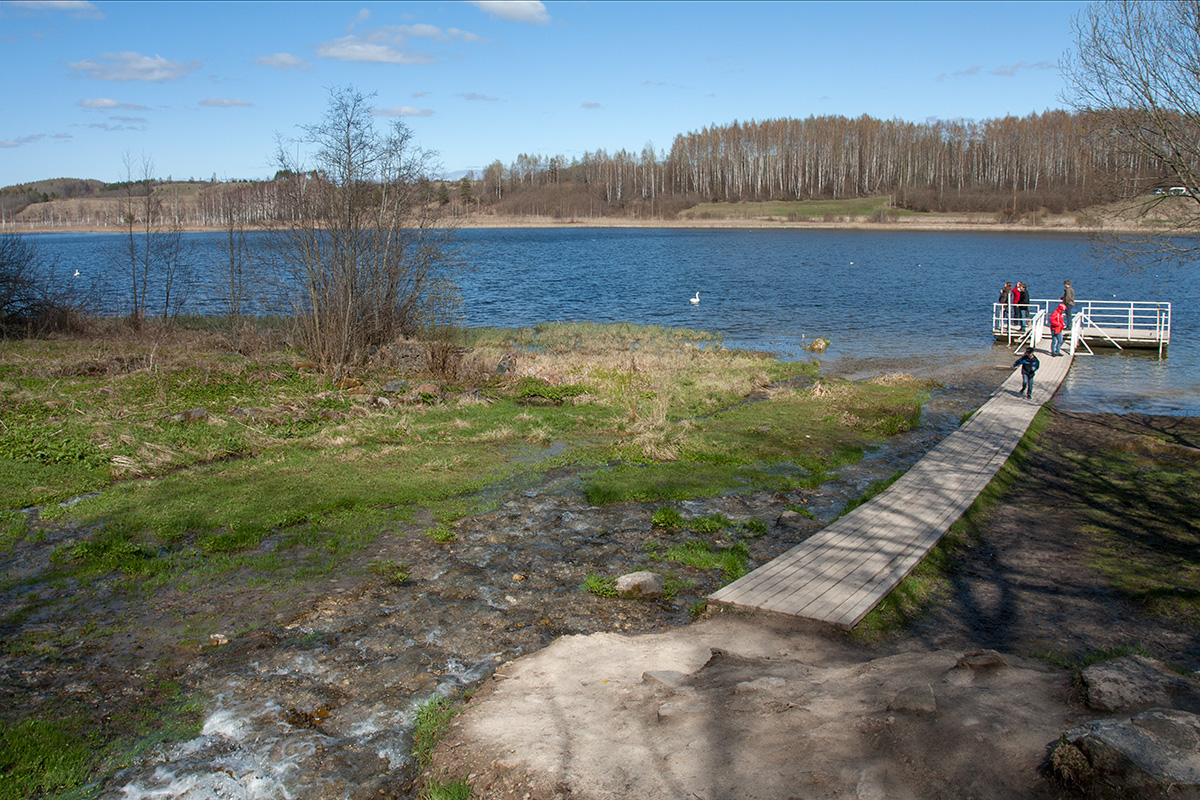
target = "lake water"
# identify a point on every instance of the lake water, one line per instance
(885, 300)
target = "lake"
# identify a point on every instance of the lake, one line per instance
(884, 299)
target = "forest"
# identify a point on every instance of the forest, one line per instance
(1056, 161)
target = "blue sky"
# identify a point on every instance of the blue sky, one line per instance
(202, 88)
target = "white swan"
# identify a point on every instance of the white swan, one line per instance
(695, 300)
(76, 273)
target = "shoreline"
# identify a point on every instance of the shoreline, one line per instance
(965, 223)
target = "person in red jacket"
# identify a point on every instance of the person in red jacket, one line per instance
(1020, 301)
(1057, 323)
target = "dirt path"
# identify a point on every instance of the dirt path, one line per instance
(748, 707)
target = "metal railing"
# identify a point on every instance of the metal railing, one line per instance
(1108, 321)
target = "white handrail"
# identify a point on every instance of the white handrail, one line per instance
(1147, 322)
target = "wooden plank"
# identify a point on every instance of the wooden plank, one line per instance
(839, 574)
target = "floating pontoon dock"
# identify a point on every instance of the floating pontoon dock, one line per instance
(1105, 323)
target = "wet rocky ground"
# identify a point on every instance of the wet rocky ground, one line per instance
(311, 693)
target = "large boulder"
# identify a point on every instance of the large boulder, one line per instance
(1155, 754)
(1135, 683)
(643, 584)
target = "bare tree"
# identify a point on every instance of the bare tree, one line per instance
(34, 296)
(152, 249)
(1136, 72)
(232, 212)
(363, 242)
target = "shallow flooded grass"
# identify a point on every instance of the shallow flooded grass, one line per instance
(230, 489)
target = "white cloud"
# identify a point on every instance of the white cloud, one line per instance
(76, 8)
(353, 48)
(1010, 70)
(225, 102)
(402, 111)
(390, 45)
(107, 103)
(477, 97)
(22, 140)
(359, 19)
(285, 61)
(132, 67)
(104, 126)
(530, 11)
(590, 106)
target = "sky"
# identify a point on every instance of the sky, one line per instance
(203, 89)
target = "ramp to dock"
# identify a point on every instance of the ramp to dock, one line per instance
(839, 574)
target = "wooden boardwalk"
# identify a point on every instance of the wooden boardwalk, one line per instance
(839, 574)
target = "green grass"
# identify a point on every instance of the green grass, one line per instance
(394, 572)
(289, 480)
(41, 757)
(1080, 663)
(667, 517)
(733, 560)
(65, 753)
(1155, 562)
(912, 595)
(442, 533)
(458, 789)
(789, 442)
(600, 585)
(432, 720)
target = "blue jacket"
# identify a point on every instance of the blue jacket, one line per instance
(1028, 364)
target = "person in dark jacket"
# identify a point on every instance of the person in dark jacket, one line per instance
(1028, 364)
(1021, 303)
(1005, 300)
(1068, 300)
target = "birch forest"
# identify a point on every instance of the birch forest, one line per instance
(1056, 161)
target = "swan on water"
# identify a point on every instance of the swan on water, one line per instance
(76, 273)
(695, 299)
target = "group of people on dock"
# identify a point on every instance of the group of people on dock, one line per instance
(1014, 298)
(1017, 298)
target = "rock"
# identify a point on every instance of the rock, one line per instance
(817, 345)
(642, 584)
(189, 416)
(759, 684)
(981, 659)
(664, 677)
(917, 699)
(218, 639)
(790, 519)
(395, 387)
(1135, 683)
(1155, 753)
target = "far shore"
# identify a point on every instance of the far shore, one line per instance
(930, 223)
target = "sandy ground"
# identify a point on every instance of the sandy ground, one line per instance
(740, 706)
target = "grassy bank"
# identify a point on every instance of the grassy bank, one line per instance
(194, 483)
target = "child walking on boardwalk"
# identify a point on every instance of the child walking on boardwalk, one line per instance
(1028, 364)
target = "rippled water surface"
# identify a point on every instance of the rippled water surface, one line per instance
(880, 297)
